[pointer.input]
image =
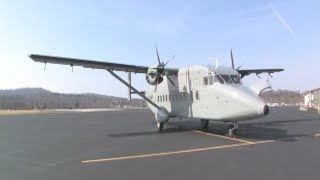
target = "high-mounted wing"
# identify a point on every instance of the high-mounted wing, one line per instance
(96, 64)
(88, 63)
(110, 67)
(245, 72)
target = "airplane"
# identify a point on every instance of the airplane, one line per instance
(203, 92)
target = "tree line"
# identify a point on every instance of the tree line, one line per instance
(38, 98)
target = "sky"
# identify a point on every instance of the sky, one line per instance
(262, 34)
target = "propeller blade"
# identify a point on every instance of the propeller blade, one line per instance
(239, 67)
(232, 62)
(169, 79)
(158, 55)
(169, 60)
(155, 88)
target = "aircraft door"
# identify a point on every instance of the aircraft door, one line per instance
(196, 94)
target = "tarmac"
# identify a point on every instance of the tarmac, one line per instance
(125, 144)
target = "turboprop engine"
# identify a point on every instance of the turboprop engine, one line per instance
(153, 77)
(155, 74)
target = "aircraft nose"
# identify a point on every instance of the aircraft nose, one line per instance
(266, 110)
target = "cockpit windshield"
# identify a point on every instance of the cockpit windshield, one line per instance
(221, 78)
(235, 79)
(226, 78)
(218, 79)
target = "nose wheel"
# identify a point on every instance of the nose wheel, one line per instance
(204, 123)
(233, 129)
(160, 126)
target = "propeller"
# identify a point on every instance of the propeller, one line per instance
(232, 61)
(161, 69)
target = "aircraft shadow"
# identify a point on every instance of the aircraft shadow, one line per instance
(254, 131)
(166, 130)
(271, 130)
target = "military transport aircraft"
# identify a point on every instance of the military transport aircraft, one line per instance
(199, 92)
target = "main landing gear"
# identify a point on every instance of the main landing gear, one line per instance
(204, 123)
(160, 126)
(233, 129)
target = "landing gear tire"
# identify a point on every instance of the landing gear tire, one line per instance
(233, 130)
(160, 126)
(204, 123)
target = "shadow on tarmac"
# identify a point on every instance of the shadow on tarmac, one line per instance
(254, 131)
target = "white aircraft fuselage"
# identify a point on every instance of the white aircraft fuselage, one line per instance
(207, 92)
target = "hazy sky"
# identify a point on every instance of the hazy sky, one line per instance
(263, 34)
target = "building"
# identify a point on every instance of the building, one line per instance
(312, 99)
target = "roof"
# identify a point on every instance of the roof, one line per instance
(312, 90)
(223, 70)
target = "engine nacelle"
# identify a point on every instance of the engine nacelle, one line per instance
(153, 76)
(162, 115)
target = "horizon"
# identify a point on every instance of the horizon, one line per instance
(298, 91)
(261, 34)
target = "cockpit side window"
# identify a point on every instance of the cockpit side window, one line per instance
(205, 81)
(210, 80)
(235, 79)
(226, 78)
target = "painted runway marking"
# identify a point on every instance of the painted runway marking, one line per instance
(223, 137)
(175, 152)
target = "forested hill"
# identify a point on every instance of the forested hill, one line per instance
(38, 98)
(282, 97)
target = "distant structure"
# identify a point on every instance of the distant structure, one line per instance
(312, 99)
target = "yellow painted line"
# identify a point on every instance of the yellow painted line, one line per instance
(175, 152)
(224, 137)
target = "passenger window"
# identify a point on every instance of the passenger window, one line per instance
(197, 95)
(158, 99)
(191, 95)
(166, 98)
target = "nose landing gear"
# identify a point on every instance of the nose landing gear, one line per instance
(233, 129)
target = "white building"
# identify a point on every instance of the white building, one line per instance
(312, 99)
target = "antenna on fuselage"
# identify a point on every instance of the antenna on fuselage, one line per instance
(232, 62)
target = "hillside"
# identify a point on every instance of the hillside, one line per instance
(282, 97)
(38, 98)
